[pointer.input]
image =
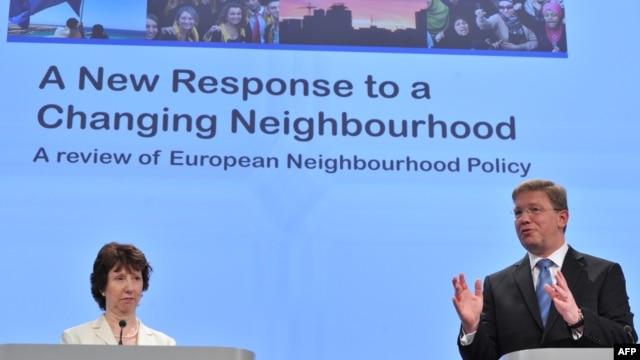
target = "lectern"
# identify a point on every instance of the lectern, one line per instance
(561, 354)
(102, 352)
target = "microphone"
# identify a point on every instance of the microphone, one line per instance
(123, 323)
(629, 330)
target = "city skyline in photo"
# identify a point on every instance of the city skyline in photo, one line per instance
(388, 14)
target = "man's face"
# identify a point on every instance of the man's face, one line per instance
(506, 8)
(253, 5)
(274, 9)
(538, 225)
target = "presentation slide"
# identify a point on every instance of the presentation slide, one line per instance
(307, 190)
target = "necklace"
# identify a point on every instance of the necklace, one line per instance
(135, 333)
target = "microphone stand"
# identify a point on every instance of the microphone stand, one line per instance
(122, 324)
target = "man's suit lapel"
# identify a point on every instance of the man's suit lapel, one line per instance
(573, 267)
(524, 281)
(573, 270)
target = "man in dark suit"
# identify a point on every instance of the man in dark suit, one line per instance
(584, 302)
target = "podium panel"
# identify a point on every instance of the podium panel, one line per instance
(561, 354)
(102, 352)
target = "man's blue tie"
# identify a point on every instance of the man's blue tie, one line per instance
(544, 300)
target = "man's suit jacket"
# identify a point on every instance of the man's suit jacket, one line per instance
(98, 332)
(511, 321)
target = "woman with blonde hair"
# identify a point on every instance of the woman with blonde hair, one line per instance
(184, 26)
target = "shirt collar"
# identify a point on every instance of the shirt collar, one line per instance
(557, 256)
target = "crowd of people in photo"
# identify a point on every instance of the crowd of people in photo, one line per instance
(520, 25)
(232, 21)
(516, 25)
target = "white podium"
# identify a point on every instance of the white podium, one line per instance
(561, 354)
(103, 352)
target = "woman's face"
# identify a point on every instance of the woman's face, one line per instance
(234, 16)
(123, 291)
(429, 2)
(506, 8)
(461, 27)
(274, 9)
(186, 21)
(151, 30)
(551, 18)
